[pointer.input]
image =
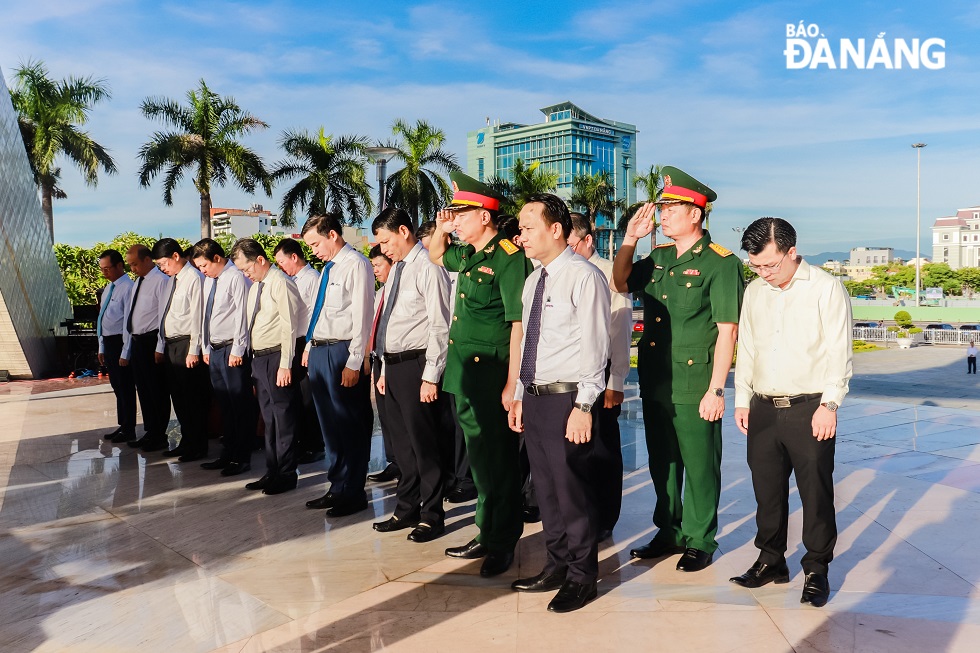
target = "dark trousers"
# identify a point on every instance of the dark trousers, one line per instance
(122, 382)
(416, 440)
(151, 384)
(527, 482)
(239, 410)
(308, 436)
(380, 402)
(781, 442)
(563, 479)
(282, 412)
(456, 459)
(346, 419)
(608, 463)
(971, 365)
(190, 390)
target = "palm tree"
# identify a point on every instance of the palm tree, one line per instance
(594, 193)
(652, 184)
(528, 180)
(418, 187)
(333, 175)
(205, 140)
(49, 115)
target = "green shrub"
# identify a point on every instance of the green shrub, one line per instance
(903, 319)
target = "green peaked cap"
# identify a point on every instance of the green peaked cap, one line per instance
(682, 187)
(470, 192)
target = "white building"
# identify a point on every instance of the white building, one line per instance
(956, 239)
(863, 259)
(242, 223)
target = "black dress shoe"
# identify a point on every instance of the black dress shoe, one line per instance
(573, 596)
(307, 457)
(531, 514)
(389, 473)
(395, 524)
(694, 560)
(116, 433)
(220, 463)
(234, 469)
(280, 484)
(496, 563)
(469, 551)
(119, 438)
(322, 503)
(344, 507)
(603, 535)
(760, 574)
(259, 484)
(426, 532)
(655, 549)
(546, 581)
(459, 495)
(816, 590)
(173, 453)
(150, 443)
(191, 456)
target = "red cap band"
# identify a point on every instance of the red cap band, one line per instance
(475, 199)
(681, 194)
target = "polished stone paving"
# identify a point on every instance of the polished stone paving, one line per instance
(106, 549)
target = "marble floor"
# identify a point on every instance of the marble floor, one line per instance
(106, 549)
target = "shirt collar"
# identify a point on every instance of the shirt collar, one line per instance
(558, 264)
(344, 252)
(413, 253)
(802, 273)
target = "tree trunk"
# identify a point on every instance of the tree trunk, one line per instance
(205, 215)
(47, 209)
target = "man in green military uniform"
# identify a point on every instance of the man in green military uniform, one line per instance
(483, 362)
(692, 292)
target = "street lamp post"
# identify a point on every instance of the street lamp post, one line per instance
(918, 229)
(381, 155)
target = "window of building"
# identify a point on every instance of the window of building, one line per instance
(945, 254)
(945, 236)
(479, 169)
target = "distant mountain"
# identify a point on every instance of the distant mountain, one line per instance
(823, 257)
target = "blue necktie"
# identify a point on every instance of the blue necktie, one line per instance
(320, 294)
(98, 324)
(529, 360)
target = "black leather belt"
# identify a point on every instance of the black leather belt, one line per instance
(786, 401)
(177, 339)
(147, 335)
(267, 351)
(403, 356)
(550, 388)
(218, 346)
(322, 343)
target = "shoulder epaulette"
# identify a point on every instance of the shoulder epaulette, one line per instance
(508, 246)
(665, 245)
(719, 250)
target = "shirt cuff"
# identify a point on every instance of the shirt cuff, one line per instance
(355, 362)
(834, 394)
(742, 398)
(238, 350)
(616, 383)
(431, 373)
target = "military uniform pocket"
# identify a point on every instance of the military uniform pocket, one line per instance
(692, 369)
(690, 291)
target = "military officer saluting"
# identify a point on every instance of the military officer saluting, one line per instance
(692, 291)
(483, 362)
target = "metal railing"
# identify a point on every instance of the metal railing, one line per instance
(931, 336)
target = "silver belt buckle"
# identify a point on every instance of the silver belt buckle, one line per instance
(781, 402)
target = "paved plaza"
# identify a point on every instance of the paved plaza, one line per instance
(106, 549)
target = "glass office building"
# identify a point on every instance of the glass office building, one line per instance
(570, 141)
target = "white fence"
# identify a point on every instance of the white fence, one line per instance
(932, 336)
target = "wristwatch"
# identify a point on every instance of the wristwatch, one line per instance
(831, 406)
(718, 392)
(585, 408)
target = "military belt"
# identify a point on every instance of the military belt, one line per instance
(550, 388)
(787, 401)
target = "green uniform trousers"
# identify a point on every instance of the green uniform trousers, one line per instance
(685, 455)
(493, 451)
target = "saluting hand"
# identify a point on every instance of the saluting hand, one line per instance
(824, 423)
(642, 224)
(445, 218)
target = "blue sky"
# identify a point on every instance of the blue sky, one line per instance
(705, 82)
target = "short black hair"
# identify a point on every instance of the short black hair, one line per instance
(555, 210)
(581, 225)
(288, 246)
(143, 253)
(763, 231)
(376, 252)
(392, 219)
(324, 224)
(509, 225)
(248, 249)
(425, 229)
(206, 248)
(115, 258)
(166, 248)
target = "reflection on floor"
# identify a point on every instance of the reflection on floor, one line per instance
(105, 549)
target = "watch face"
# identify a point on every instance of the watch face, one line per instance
(719, 392)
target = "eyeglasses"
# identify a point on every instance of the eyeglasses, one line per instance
(759, 269)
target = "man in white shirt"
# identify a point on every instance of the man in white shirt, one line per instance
(144, 311)
(179, 349)
(381, 266)
(561, 380)
(109, 330)
(791, 374)
(274, 310)
(337, 342)
(291, 260)
(411, 339)
(608, 443)
(224, 342)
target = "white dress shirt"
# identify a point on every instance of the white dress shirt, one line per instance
(186, 309)
(794, 340)
(347, 305)
(574, 339)
(150, 301)
(278, 318)
(620, 328)
(308, 283)
(229, 319)
(114, 314)
(420, 316)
